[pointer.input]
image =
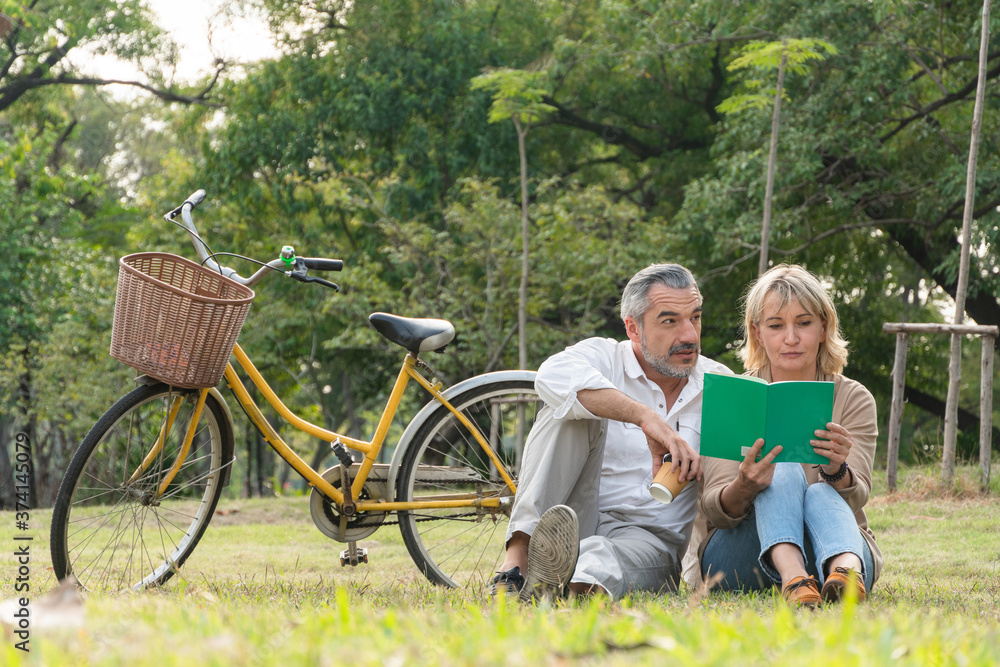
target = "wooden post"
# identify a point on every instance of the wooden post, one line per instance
(986, 410)
(896, 412)
(951, 409)
(988, 335)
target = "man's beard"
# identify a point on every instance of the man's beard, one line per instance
(662, 364)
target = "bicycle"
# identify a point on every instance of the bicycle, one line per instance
(144, 483)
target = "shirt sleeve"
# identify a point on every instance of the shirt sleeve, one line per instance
(587, 365)
(858, 416)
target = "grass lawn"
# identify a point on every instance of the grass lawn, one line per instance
(266, 587)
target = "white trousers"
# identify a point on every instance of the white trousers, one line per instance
(620, 553)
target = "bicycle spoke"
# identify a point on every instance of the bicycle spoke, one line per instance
(454, 546)
(79, 574)
(467, 549)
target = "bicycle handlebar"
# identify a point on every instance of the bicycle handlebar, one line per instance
(279, 264)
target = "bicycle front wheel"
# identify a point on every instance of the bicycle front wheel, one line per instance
(459, 546)
(112, 527)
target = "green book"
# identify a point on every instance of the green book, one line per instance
(737, 409)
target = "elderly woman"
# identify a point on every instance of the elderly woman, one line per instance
(800, 526)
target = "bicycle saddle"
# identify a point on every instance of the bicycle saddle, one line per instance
(415, 335)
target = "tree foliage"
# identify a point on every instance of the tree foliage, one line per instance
(767, 56)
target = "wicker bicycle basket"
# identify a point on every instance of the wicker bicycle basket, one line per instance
(175, 320)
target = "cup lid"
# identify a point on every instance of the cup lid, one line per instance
(660, 493)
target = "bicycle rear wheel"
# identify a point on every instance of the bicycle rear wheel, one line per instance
(111, 528)
(461, 546)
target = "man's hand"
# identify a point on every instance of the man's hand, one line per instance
(754, 476)
(662, 439)
(613, 404)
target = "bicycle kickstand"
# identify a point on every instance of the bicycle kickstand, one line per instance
(353, 555)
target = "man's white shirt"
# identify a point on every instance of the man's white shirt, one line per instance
(604, 363)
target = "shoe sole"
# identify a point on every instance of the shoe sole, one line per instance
(552, 553)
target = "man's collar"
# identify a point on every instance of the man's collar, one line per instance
(632, 367)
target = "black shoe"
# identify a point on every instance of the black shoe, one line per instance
(511, 581)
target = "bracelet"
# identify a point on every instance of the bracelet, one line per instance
(835, 477)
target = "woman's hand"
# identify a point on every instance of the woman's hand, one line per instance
(754, 476)
(835, 447)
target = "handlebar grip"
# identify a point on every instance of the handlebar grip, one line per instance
(195, 198)
(321, 264)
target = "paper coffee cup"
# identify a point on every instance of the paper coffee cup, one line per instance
(666, 486)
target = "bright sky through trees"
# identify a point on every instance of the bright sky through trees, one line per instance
(201, 32)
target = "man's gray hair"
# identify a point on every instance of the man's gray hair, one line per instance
(635, 297)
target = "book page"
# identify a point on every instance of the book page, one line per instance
(733, 415)
(794, 411)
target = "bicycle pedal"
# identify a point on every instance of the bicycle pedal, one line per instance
(360, 556)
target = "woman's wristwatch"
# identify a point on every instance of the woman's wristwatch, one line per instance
(835, 477)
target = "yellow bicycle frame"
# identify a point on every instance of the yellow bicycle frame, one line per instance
(162, 438)
(369, 449)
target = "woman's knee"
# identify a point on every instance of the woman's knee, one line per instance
(824, 496)
(789, 475)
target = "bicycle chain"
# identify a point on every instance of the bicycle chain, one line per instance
(450, 517)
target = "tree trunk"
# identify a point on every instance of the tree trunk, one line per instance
(250, 436)
(522, 293)
(955, 362)
(765, 229)
(968, 422)
(6, 472)
(30, 424)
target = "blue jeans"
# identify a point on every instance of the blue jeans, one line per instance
(811, 516)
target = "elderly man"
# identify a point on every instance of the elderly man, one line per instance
(583, 519)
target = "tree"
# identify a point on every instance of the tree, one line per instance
(873, 196)
(955, 359)
(39, 37)
(768, 56)
(517, 96)
(57, 206)
(635, 91)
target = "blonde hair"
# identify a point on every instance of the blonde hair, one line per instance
(791, 281)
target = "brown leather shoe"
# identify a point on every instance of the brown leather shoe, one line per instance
(802, 592)
(841, 582)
